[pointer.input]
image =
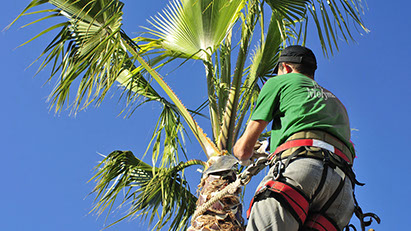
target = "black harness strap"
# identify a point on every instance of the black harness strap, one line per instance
(322, 181)
(327, 163)
(319, 220)
(333, 197)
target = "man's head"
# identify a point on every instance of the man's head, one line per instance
(296, 59)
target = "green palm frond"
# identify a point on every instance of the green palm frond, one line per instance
(291, 10)
(195, 28)
(148, 189)
(88, 48)
(167, 138)
(266, 56)
(332, 19)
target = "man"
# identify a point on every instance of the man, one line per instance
(309, 185)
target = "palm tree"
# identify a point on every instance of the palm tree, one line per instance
(91, 49)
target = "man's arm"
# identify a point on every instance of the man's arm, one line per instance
(244, 147)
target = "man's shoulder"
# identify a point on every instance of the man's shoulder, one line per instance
(289, 79)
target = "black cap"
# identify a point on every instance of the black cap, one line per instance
(297, 54)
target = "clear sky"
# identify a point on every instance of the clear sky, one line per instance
(47, 159)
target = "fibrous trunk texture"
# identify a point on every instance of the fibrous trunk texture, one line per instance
(226, 213)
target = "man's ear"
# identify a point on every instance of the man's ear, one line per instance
(287, 68)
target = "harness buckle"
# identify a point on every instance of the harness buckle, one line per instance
(277, 170)
(327, 159)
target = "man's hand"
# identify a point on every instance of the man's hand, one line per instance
(260, 148)
(244, 147)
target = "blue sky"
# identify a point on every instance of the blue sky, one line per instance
(48, 158)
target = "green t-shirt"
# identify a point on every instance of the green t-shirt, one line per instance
(295, 103)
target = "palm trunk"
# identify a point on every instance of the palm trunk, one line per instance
(226, 213)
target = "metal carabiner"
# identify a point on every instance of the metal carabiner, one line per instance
(278, 168)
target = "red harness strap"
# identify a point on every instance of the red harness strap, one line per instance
(311, 142)
(297, 201)
(299, 205)
(319, 222)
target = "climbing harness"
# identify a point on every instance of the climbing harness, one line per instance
(303, 144)
(297, 203)
(334, 154)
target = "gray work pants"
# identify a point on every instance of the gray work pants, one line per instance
(304, 174)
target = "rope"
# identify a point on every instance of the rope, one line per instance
(229, 189)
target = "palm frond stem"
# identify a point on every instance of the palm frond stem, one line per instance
(228, 123)
(212, 97)
(208, 146)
